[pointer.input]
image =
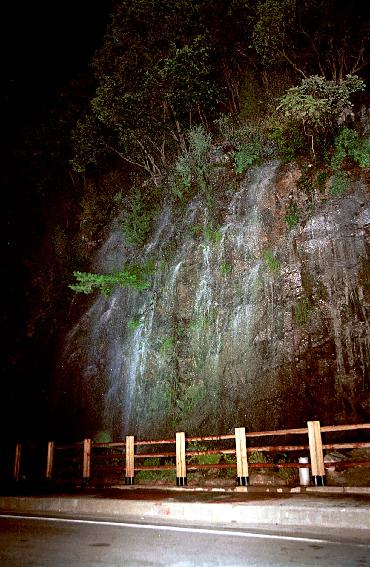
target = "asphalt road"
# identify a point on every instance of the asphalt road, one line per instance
(57, 542)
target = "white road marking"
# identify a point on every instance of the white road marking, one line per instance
(184, 529)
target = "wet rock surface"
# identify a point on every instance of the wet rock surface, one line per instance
(245, 322)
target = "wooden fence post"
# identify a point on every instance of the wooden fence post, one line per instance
(241, 456)
(181, 479)
(130, 459)
(86, 461)
(50, 461)
(17, 462)
(316, 452)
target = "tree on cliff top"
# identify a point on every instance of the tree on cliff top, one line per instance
(155, 75)
(165, 66)
(326, 37)
(317, 105)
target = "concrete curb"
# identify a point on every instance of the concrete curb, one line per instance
(295, 511)
(319, 490)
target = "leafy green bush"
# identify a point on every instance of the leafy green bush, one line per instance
(321, 178)
(292, 216)
(249, 154)
(257, 457)
(315, 106)
(226, 127)
(133, 276)
(230, 459)
(348, 143)
(212, 459)
(213, 235)
(138, 219)
(340, 182)
(135, 323)
(88, 143)
(318, 102)
(361, 153)
(102, 436)
(288, 139)
(288, 474)
(186, 75)
(225, 269)
(251, 95)
(240, 133)
(155, 475)
(272, 263)
(192, 166)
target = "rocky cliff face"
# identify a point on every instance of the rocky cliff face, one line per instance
(247, 324)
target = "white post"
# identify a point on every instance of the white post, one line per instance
(316, 452)
(130, 459)
(241, 456)
(181, 479)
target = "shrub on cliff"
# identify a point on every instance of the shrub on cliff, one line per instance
(316, 106)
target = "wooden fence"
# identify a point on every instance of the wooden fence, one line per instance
(105, 463)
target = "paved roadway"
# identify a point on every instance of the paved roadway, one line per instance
(62, 542)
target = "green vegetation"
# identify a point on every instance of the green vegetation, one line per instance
(202, 322)
(150, 475)
(192, 58)
(292, 216)
(321, 178)
(312, 36)
(135, 323)
(180, 331)
(289, 475)
(183, 400)
(138, 219)
(133, 276)
(192, 167)
(271, 261)
(289, 140)
(340, 182)
(317, 104)
(249, 154)
(166, 345)
(158, 112)
(349, 144)
(143, 105)
(231, 459)
(102, 437)
(248, 134)
(212, 235)
(302, 311)
(225, 269)
(258, 457)
(212, 459)
(190, 398)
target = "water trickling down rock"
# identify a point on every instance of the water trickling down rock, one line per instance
(255, 326)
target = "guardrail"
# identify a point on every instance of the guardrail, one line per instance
(101, 463)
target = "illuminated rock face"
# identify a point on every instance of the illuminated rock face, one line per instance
(246, 323)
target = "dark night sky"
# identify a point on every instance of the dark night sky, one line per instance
(44, 45)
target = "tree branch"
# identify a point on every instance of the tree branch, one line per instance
(322, 71)
(132, 162)
(291, 62)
